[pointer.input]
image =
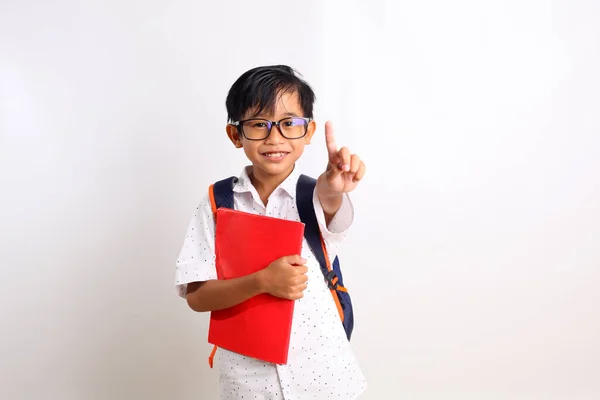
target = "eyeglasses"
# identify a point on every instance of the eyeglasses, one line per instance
(260, 129)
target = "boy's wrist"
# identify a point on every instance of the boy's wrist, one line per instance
(259, 282)
(331, 201)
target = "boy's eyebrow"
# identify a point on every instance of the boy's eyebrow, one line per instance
(287, 114)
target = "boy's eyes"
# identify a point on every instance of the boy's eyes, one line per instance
(262, 125)
(259, 125)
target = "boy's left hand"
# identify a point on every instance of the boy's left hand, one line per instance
(344, 170)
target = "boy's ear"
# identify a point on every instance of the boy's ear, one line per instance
(234, 136)
(310, 131)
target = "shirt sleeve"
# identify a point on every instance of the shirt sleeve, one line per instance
(196, 261)
(335, 233)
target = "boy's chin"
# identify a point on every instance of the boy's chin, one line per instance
(274, 169)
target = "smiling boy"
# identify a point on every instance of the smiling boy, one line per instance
(270, 117)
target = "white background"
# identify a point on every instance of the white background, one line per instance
(474, 261)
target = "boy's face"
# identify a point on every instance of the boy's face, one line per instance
(275, 156)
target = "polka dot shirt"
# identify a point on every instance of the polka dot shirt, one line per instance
(321, 364)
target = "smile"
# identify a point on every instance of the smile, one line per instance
(275, 156)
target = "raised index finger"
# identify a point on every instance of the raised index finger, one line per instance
(330, 140)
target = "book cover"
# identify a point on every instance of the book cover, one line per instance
(245, 243)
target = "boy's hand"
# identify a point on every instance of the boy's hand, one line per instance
(285, 278)
(344, 170)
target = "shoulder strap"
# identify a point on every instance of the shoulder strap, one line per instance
(221, 194)
(304, 201)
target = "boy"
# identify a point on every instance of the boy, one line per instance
(270, 111)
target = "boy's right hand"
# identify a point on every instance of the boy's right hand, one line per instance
(285, 278)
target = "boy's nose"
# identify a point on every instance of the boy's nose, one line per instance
(275, 136)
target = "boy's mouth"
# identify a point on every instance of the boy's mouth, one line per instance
(275, 155)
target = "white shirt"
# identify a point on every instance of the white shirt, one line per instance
(321, 364)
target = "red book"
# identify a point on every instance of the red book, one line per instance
(246, 243)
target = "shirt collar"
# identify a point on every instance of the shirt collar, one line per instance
(244, 184)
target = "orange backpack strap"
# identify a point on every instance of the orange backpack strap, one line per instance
(334, 280)
(220, 195)
(213, 206)
(211, 196)
(211, 358)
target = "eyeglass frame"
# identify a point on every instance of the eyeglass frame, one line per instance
(238, 125)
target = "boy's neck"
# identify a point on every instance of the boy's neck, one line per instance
(266, 184)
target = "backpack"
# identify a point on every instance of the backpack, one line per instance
(221, 196)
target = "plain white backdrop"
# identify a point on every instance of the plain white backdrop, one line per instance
(474, 261)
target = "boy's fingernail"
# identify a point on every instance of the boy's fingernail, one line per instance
(346, 167)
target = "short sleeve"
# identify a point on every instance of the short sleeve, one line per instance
(196, 261)
(335, 233)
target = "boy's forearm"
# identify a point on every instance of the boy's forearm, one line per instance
(330, 202)
(216, 295)
(330, 205)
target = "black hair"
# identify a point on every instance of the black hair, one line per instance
(259, 87)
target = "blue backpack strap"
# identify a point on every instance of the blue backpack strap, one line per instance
(332, 272)
(221, 194)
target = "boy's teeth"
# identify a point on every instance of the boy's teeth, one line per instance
(273, 154)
